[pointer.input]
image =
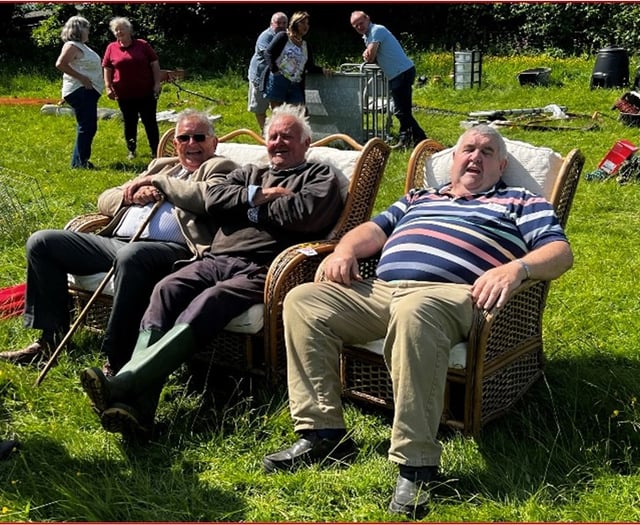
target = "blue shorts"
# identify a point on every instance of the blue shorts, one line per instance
(281, 89)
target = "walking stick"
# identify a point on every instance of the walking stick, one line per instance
(93, 298)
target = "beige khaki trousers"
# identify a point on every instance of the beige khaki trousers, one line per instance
(420, 322)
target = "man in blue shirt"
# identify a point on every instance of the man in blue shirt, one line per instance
(384, 49)
(257, 68)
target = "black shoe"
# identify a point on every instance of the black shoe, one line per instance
(37, 351)
(96, 386)
(311, 449)
(419, 137)
(84, 166)
(412, 493)
(124, 419)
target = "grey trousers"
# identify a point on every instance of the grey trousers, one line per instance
(420, 322)
(52, 254)
(206, 295)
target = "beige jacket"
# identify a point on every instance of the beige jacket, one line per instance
(187, 195)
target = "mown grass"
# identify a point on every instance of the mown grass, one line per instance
(567, 452)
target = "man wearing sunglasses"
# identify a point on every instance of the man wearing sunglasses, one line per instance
(261, 211)
(178, 230)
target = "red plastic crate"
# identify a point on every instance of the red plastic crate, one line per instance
(621, 151)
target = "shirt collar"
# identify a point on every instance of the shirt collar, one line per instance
(295, 168)
(183, 174)
(445, 190)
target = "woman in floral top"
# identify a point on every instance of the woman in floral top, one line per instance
(289, 57)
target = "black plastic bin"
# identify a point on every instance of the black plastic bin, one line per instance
(611, 68)
(537, 76)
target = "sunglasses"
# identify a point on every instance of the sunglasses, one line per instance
(198, 137)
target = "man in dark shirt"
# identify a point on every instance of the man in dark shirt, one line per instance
(259, 211)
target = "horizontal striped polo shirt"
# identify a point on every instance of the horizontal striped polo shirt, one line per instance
(434, 236)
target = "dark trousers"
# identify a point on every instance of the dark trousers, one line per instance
(401, 91)
(145, 108)
(52, 254)
(85, 106)
(206, 295)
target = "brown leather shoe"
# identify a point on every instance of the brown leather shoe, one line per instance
(33, 353)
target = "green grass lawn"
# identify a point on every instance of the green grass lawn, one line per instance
(567, 452)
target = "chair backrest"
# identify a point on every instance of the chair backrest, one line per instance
(538, 169)
(165, 146)
(360, 167)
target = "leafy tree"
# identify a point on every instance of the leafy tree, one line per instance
(212, 37)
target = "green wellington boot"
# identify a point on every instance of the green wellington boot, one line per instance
(147, 337)
(150, 366)
(94, 381)
(146, 371)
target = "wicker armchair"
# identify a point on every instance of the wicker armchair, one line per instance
(503, 356)
(256, 346)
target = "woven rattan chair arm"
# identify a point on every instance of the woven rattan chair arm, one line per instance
(500, 333)
(417, 161)
(293, 266)
(363, 188)
(366, 266)
(243, 133)
(350, 141)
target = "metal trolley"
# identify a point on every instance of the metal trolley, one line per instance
(355, 101)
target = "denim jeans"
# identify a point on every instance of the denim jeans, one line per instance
(85, 105)
(281, 89)
(401, 91)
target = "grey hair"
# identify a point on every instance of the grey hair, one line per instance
(193, 114)
(492, 133)
(290, 110)
(73, 28)
(120, 21)
(279, 16)
(360, 13)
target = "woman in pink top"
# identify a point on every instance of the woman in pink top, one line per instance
(132, 77)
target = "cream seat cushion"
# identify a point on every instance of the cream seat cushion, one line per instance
(342, 161)
(251, 321)
(457, 355)
(531, 167)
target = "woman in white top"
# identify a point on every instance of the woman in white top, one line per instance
(82, 85)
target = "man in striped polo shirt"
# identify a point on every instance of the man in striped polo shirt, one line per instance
(472, 241)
